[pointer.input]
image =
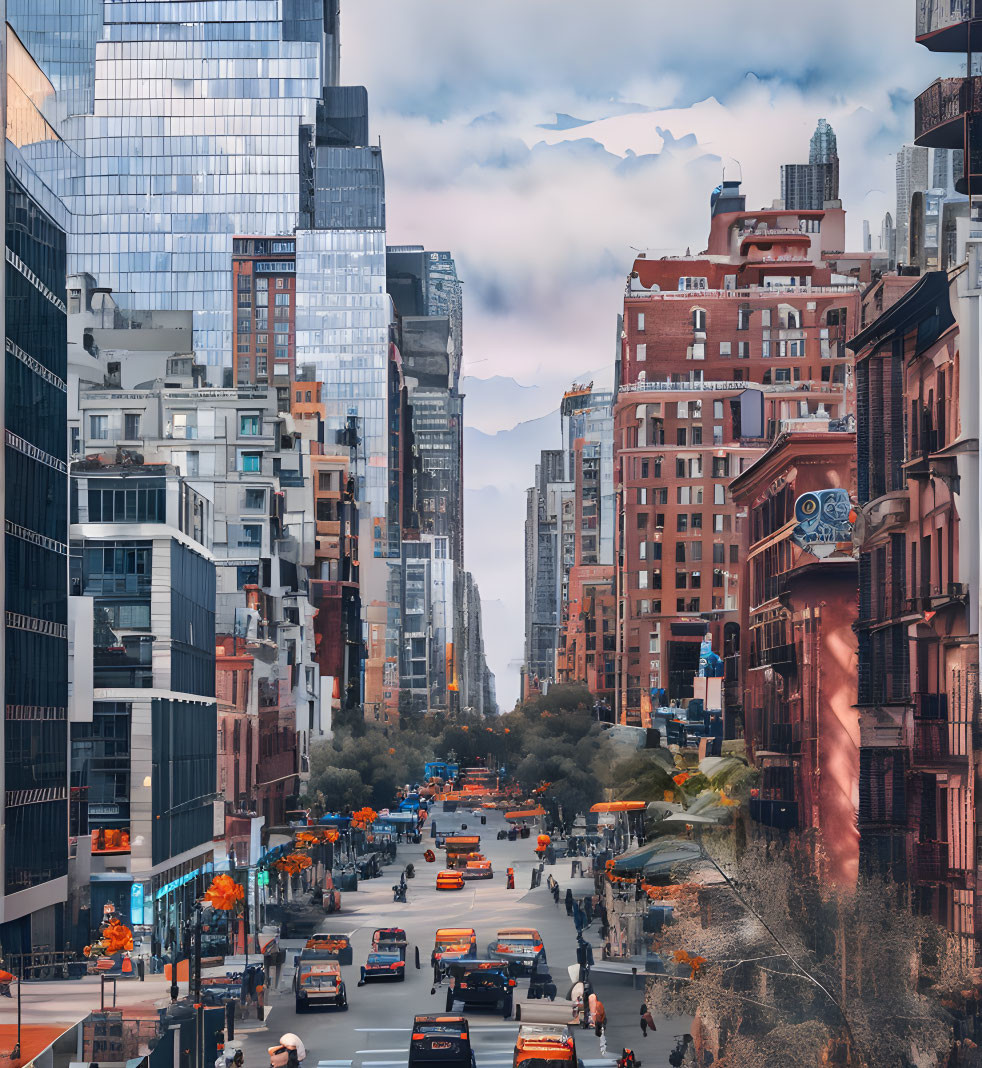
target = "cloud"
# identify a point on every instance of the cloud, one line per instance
(545, 141)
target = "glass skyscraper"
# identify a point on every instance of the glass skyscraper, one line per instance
(35, 546)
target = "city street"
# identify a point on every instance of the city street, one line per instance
(374, 1032)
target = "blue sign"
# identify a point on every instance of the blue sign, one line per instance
(825, 520)
(136, 904)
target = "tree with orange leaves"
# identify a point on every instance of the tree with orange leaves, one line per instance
(293, 863)
(115, 937)
(224, 893)
(363, 817)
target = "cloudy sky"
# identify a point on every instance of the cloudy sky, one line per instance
(542, 141)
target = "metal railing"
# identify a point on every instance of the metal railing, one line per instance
(945, 100)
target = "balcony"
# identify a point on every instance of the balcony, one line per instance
(931, 742)
(932, 598)
(931, 706)
(946, 25)
(940, 111)
(780, 657)
(931, 861)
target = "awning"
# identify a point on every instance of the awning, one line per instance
(618, 806)
(658, 857)
(526, 813)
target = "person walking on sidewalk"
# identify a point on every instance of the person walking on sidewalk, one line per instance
(647, 1020)
(569, 902)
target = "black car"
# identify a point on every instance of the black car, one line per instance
(384, 964)
(441, 1042)
(481, 984)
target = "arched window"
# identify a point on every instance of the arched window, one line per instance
(699, 319)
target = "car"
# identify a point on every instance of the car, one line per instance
(452, 943)
(390, 939)
(319, 983)
(521, 947)
(326, 945)
(544, 1046)
(440, 1042)
(384, 964)
(481, 984)
(477, 869)
(450, 880)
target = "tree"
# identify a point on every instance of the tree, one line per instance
(797, 967)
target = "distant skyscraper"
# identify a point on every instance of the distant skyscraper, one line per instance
(948, 166)
(888, 239)
(912, 175)
(867, 237)
(807, 186)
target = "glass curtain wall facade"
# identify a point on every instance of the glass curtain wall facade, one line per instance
(192, 139)
(35, 721)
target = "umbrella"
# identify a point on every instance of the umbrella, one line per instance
(618, 806)
(658, 855)
(526, 814)
(658, 810)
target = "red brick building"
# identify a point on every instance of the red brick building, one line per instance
(264, 319)
(798, 666)
(918, 692)
(720, 353)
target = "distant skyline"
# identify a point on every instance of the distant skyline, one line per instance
(544, 142)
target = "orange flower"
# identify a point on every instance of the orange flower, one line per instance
(305, 839)
(332, 836)
(680, 778)
(224, 893)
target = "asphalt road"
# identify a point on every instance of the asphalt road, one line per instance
(374, 1031)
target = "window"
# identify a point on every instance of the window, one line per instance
(681, 580)
(250, 461)
(699, 350)
(653, 642)
(661, 495)
(743, 350)
(717, 409)
(719, 552)
(247, 575)
(131, 427)
(697, 435)
(734, 554)
(797, 347)
(644, 468)
(697, 520)
(655, 553)
(642, 520)
(743, 317)
(250, 425)
(686, 283)
(283, 300)
(721, 467)
(185, 424)
(75, 446)
(683, 495)
(642, 496)
(681, 522)
(656, 577)
(698, 319)
(724, 348)
(250, 536)
(642, 580)
(260, 366)
(643, 608)
(642, 550)
(641, 352)
(255, 499)
(717, 434)
(794, 319)
(695, 550)
(641, 320)
(680, 435)
(695, 579)
(99, 427)
(659, 521)
(680, 552)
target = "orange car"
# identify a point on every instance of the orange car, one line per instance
(452, 943)
(540, 1043)
(477, 869)
(450, 880)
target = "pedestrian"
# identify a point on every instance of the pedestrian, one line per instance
(555, 892)
(647, 1020)
(569, 902)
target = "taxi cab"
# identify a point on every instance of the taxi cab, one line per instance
(440, 1042)
(521, 947)
(477, 869)
(452, 943)
(319, 983)
(544, 1046)
(450, 880)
